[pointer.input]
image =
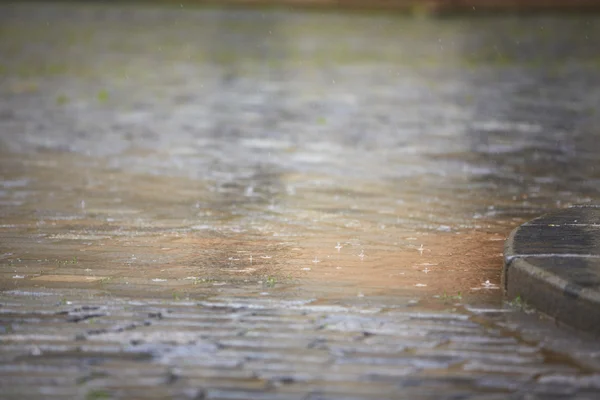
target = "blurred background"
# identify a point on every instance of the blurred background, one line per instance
(419, 6)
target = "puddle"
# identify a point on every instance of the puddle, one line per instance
(326, 166)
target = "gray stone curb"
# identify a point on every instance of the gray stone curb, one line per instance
(553, 264)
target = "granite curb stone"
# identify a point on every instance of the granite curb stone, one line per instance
(553, 264)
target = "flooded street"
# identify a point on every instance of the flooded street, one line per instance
(278, 203)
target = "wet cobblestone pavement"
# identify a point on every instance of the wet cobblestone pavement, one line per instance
(248, 348)
(268, 204)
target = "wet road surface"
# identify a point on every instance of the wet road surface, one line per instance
(276, 204)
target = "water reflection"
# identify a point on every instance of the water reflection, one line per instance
(238, 148)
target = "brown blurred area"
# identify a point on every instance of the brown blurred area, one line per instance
(426, 5)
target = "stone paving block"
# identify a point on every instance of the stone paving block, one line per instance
(310, 336)
(553, 264)
(285, 373)
(331, 396)
(159, 392)
(530, 370)
(365, 388)
(251, 342)
(551, 390)
(254, 384)
(517, 349)
(346, 396)
(560, 240)
(284, 364)
(488, 356)
(564, 288)
(570, 216)
(252, 304)
(424, 362)
(300, 355)
(359, 372)
(493, 382)
(27, 350)
(401, 393)
(224, 394)
(236, 373)
(196, 356)
(579, 272)
(196, 326)
(13, 315)
(154, 335)
(38, 368)
(384, 326)
(277, 319)
(585, 381)
(37, 380)
(40, 392)
(495, 396)
(428, 316)
(192, 319)
(361, 348)
(146, 394)
(16, 338)
(113, 382)
(483, 340)
(417, 341)
(249, 324)
(128, 369)
(288, 375)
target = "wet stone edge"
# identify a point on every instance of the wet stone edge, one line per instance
(528, 269)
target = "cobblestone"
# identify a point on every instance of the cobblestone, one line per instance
(342, 355)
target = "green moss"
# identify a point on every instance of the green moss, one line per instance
(98, 394)
(521, 304)
(62, 99)
(66, 262)
(448, 297)
(54, 69)
(90, 377)
(517, 302)
(102, 96)
(203, 280)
